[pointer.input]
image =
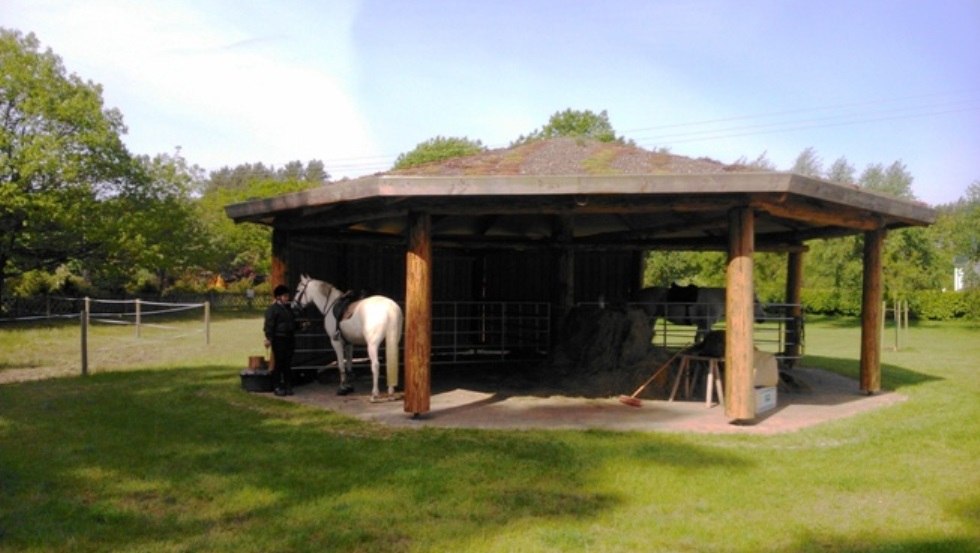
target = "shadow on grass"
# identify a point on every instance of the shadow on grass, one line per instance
(893, 376)
(967, 510)
(859, 545)
(183, 459)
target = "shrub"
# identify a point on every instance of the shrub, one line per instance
(936, 305)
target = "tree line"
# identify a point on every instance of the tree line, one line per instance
(79, 213)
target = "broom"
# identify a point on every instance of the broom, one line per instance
(632, 400)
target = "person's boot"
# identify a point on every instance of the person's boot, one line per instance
(280, 392)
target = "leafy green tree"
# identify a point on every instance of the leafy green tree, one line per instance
(245, 174)
(957, 233)
(966, 241)
(574, 123)
(244, 249)
(156, 227)
(895, 180)
(701, 268)
(315, 173)
(841, 171)
(438, 149)
(808, 163)
(760, 163)
(912, 262)
(60, 153)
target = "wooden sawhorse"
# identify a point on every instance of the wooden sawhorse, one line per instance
(688, 372)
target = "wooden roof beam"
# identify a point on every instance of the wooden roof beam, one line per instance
(832, 216)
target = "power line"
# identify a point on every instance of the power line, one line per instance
(786, 126)
(796, 111)
(379, 163)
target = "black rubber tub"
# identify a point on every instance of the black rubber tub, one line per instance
(256, 380)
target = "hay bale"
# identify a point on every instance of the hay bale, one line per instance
(601, 340)
(603, 352)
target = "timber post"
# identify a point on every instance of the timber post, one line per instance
(793, 335)
(871, 312)
(418, 314)
(739, 311)
(278, 273)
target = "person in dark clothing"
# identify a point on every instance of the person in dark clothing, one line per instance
(280, 333)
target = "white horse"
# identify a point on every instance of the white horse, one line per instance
(689, 305)
(366, 322)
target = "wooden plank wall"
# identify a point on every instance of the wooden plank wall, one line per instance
(465, 275)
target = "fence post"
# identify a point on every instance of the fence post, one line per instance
(84, 321)
(884, 318)
(906, 321)
(138, 316)
(207, 323)
(898, 324)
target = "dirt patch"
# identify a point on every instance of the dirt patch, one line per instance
(469, 399)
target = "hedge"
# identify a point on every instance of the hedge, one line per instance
(923, 304)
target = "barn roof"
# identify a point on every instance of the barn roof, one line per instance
(638, 199)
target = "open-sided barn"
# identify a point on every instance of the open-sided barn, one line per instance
(564, 221)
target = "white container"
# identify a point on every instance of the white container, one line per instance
(765, 399)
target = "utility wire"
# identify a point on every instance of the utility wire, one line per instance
(688, 132)
(785, 126)
(796, 111)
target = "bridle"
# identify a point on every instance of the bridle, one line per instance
(302, 293)
(298, 299)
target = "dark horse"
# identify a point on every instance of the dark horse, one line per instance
(689, 305)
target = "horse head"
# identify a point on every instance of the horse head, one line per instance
(302, 297)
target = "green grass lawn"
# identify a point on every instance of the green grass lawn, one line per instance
(160, 450)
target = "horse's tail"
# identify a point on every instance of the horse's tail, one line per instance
(393, 335)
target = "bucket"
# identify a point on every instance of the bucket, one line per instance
(257, 380)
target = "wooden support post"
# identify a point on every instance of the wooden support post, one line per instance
(793, 336)
(871, 312)
(418, 314)
(279, 272)
(739, 311)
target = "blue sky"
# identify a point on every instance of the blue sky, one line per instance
(355, 83)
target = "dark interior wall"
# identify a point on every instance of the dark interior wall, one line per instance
(465, 275)
(615, 276)
(520, 275)
(377, 268)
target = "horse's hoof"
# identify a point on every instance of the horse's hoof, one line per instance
(344, 390)
(386, 398)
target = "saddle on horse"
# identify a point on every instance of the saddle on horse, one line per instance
(343, 308)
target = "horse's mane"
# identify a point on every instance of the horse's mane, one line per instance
(323, 287)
